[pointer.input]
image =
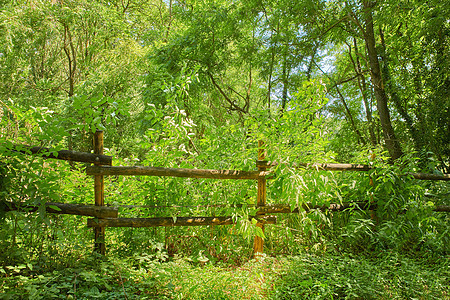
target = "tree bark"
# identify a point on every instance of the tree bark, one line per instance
(69, 49)
(363, 88)
(284, 78)
(386, 75)
(350, 117)
(392, 144)
(269, 85)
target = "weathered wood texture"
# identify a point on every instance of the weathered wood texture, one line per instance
(349, 167)
(424, 176)
(442, 208)
(337, 207)
(286, 209)
(258, 244)
(165, 222)
(64, 154)
(65, 208)
(98, 179)
(99, 194)
(318, 166)
(189, 173)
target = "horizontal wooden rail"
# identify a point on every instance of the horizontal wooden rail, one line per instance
(318, 166)
(180, 221)
(286, 209)
(64, 208)
(424, 176)
(63, 154)
(189, 173)
(442, 208)
(350, 167)
(279, 208)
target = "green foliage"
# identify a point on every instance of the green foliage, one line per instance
(346, 277)
(404, 220)
(197, 85)
(91, 279)
(306, 276)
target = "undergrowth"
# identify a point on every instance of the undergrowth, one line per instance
(306, 276)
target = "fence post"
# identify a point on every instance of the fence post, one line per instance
(99, 188)
(261, 200)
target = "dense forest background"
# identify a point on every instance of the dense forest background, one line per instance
(196, 84)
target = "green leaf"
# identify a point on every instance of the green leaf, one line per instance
(260, 232)
(54, 207)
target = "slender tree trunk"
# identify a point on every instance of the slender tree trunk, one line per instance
(350, 118)
(363, 88)
(269, 89)
(71, 55)
(392, 144)
(69, 49)
(285, 73)
(311, 62)
(272, 62)
(284, 79)
(442, 93)
(386, 75)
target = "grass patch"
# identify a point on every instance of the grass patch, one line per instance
(347, 277)
(301, 277)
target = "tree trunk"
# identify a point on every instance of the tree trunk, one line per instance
(350, 118)
(269, 88)
(392, 144)
(311, 62)
(284, 78)
(386, 75)
(363, 88)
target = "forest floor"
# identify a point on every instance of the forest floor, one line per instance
(308, 276)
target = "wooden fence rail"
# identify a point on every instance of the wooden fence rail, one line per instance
(63, 154)
(307, 207)
(171, 221)
(64, 208)
(108, 216)
(111, 211)
(172, 172)
(349, 167)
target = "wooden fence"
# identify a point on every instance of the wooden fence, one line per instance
(108, 216)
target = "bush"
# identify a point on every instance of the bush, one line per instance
(345, 277)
